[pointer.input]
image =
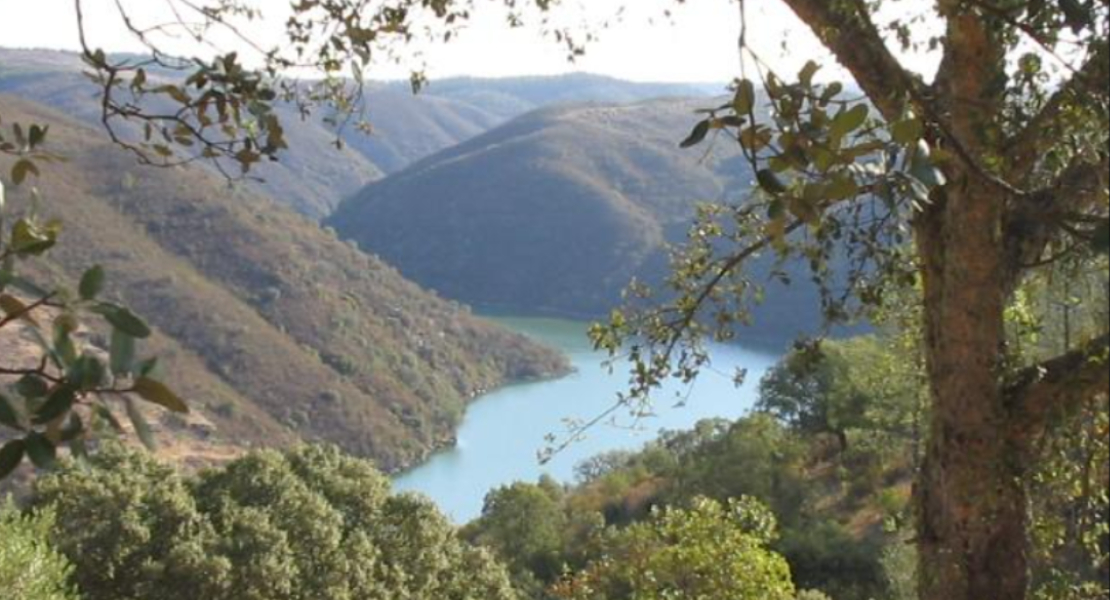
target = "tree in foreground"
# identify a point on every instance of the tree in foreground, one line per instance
(712, 551)
(306, 524)
(960, 187)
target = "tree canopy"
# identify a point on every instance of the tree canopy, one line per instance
(309, 523)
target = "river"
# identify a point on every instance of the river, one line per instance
(503, 432)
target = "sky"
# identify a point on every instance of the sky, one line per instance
(699, 44)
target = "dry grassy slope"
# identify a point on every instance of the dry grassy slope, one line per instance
(314, 175)
(288, 331)
(311, 179)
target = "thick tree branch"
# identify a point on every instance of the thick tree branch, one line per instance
(1029, 144)
(847, 30)
(1056, 387)
(966, 83)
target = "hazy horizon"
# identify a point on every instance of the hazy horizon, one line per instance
(697, 44)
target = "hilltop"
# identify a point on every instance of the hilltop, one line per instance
(269, 325)
(313, 176)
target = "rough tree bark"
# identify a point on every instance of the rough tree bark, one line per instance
(972, 241)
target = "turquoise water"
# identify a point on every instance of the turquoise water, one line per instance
(503, 432)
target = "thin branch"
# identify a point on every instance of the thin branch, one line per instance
(27, 310)
(857, 44)
(1028, 145)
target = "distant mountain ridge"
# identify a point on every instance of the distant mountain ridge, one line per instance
(313, 176)
(270, 326)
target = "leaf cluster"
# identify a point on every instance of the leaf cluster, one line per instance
(64, 394)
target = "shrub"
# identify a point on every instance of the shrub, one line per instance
(30, 569)
(304, 524)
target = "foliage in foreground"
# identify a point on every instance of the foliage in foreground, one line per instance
(30, 569)
(835, 441)
(60, 395)
(306, 524)
(713, 551)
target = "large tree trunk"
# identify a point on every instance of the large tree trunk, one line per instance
(971, 496)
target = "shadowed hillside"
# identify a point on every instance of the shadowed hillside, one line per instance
(556, 211)
(269, 324)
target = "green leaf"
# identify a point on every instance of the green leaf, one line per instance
(57, 404)
(87, 373)
(842, 187)
(38, 135)
(28, 238)
(142, 428)
(157, 392)
(123, 319)
(848, 121)
(65, 352)
(92, 283)
(832, 91)
(744, 102)
(121, 353)
(10, 457)
(907, 131)
(805, 76)
(41, 451)
(8, 415)
(21, 169)
(32, 386)
(697, 135)
(770, 182)
(10, 305)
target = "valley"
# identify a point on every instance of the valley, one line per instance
(503, 434)
(833, 330)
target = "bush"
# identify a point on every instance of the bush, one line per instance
(713, 551)
(304, 524)
(30, 569)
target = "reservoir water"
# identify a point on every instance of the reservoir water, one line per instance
(503, 432)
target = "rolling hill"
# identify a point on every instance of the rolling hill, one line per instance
(314, 176)
(556, 211)
(271, 326)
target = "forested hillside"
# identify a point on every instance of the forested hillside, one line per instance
(557, 211)
(267, 324)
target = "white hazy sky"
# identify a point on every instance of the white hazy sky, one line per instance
(699, 44)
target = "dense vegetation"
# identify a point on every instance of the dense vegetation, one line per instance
(267, 325)
(832, 449)
(307, 524)
(839, 509)
(808, 497)
(30, 568)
